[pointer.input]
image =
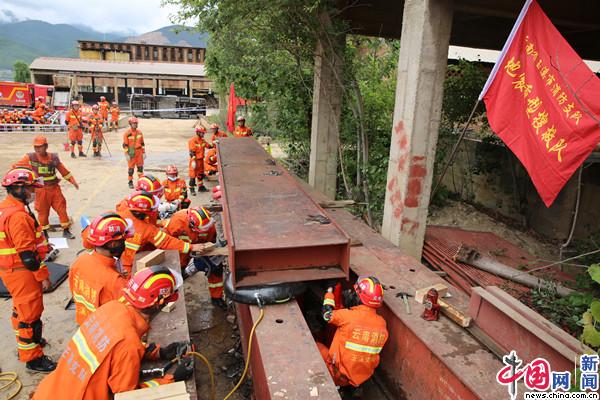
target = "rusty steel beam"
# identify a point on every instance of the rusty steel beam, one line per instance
(275, 231)
(285, 361)
(513, 326)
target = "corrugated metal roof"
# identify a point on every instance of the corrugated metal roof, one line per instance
(116, 67)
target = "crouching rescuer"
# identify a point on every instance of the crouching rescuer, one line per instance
(104, 356)
(360, 334)
(23, 248)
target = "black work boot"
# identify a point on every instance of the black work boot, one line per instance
(202, 188)
(73, 155)
(219, 303)
(41, 364)
(193, 190)
(67, 234)
(82, 154)
(130, 184)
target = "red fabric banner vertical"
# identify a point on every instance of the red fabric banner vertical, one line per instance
(543, 101)
(231, 109)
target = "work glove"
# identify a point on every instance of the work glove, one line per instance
(193, 164)
(184, 369)
(170, 352)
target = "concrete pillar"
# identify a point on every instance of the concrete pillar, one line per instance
(189, 88)
(154, 86)
(327, 105)
(426, 26)
(116, 89)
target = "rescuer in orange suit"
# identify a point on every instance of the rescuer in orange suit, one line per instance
(135, 152)
(142, 207)
(195, 225)
(242, 130)
(39, 101)
(196, 146)
(45, 165)
(114, 116)
(73, 119)
(93, 277)
(39, 113)
(104, 106)
(104, 356)
(216, 134)
(96, 120)
(360, 334)
(175, 188)
(23, 248)
(210, 162)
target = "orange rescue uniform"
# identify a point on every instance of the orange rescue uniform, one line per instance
(94, 281)
(217, 135)
(74, 122)
(210, 162)
(103, 357)
(174, 190)
(95, 124)
(354, 351)
(19, 232)
(242, 131)
(133, 145)
(50, 195)
(147, 233)
(39, 113)
(104, 106)
(196, 146)
(178, 226)
(114, 116)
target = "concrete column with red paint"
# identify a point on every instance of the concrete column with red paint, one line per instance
(422, 63)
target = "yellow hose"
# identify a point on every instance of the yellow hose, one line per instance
(213, 393)
(262, 314)
(11, 379)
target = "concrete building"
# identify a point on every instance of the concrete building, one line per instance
(116, 79)
(121, 51)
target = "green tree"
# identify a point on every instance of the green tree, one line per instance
(21, 70)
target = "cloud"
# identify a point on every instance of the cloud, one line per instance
(105, 15)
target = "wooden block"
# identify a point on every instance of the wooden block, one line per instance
(454, 314)
(169, 307)
(355, 242)
(421, 294)
(217, 251)
(337, 203)
(213, 207)
(155, 257)
(171, 391)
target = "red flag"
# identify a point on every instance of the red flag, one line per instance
(231, 109)
(542, 101)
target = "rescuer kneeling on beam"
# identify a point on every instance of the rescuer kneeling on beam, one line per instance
(360, 334)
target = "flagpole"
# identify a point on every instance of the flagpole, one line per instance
(505, 48)
(455, 149)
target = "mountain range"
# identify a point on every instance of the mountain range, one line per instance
(27, 40)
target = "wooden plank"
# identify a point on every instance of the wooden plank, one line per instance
(337, 203)
(421, 294)
(171, 391)
(153, 258)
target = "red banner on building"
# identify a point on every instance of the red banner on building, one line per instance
(543, 101)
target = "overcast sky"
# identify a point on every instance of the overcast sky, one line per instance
(128, 16)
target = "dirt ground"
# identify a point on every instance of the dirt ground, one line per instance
(462, 215)
(103, 183)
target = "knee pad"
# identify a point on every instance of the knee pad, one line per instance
(79, 142)
(130, 171)
(192, 182)
(140, 169)
(37, 330)
(73, 143)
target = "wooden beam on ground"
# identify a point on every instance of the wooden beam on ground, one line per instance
(155, 257)
(337, 203)
(171, 391)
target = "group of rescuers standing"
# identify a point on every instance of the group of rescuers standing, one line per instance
(114, 305)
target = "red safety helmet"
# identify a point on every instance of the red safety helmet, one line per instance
(241, 118)
(214, 126)
(199, 219)
(143, 202)
(200, 129)
(155, 285)
(108, 227)
(74, 103)
(369, 291)
(172, 170)
(40, 140)
(102, 97)
(95, 107)
(22, 176)
(150, 184)
(132, 120)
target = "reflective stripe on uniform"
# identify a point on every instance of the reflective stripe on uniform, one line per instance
(186, 248)
(329, 302)
(159, 238)
(81, 300)
(185, 238)
(151, 383)
(6, 252)
(2, 235)
(215, 285)
(68, 176)
(132, 246)
(362, 348)
(84, 351)
(27, 346)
